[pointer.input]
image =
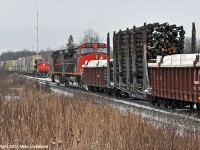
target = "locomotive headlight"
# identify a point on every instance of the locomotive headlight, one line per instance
(97, 56)
(198, 98)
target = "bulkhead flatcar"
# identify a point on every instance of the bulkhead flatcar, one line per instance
(68, 63)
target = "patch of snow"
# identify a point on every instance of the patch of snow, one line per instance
(12, 98)
(60, 92)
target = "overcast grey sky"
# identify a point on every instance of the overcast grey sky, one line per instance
(60, 18)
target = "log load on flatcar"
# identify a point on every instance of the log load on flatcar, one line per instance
(68, 63)
(134, 48)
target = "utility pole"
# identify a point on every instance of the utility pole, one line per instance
(37, 32)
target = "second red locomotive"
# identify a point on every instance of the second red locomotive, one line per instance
(42, 68)
(68, 63)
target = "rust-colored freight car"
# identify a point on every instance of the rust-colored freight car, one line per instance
(176, 79)
(95, 74)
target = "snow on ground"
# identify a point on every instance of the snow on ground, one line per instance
(156, 116)
(159, 117)
(151, 108)
(60, 92)
(12, 98)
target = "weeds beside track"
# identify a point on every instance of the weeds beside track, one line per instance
(40, 117)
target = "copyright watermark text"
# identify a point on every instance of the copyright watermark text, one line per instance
(15, 146)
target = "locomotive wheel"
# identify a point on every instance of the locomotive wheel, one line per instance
(53, 78)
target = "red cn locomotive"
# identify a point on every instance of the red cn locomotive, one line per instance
(42, 68)
(67, 63)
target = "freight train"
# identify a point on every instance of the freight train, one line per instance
(32, 65)
(147, 63)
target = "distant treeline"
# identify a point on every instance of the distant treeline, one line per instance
(46, 54)
(11, 55)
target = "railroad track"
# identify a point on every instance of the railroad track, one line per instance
(181, 118)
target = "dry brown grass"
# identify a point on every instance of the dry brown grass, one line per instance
(41, 118)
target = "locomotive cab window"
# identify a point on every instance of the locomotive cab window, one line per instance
(85, 51)
(102, 50)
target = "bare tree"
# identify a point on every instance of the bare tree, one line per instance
(198, 46)
(90, 36)
(188, 42)
(187, 46)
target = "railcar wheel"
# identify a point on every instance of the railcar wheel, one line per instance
(120, 94)
(158, 102)
(198, 106)
(191, 105)
(166, 103)
(173, 104)
(108, 91)
(116, 92)
(152, 101)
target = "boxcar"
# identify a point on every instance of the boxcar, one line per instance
(9, 65)
(30, 63)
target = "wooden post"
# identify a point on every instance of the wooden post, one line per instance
(108, 60)
(134, 55)
(120, 57)
(114, 61)
(145, 65)
(193, 46)
(127, 60)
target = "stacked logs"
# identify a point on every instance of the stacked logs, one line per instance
(128, 46)
(164, 39)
